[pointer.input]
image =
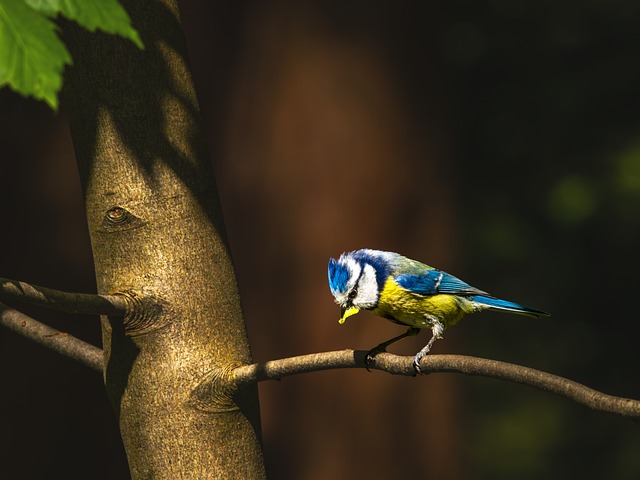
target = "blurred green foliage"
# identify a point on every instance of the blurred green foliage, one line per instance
(548, 158)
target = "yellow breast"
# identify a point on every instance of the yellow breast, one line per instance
(416, 310)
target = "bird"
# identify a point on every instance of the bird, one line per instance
(409, 293)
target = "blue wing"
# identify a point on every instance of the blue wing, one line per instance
(434, 282)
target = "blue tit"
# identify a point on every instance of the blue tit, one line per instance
(409, 293)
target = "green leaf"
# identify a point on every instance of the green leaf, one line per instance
(47, 7)
(32, 57)
(106, 15)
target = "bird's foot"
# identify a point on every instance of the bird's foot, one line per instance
(368, 360)
(411, 331)
(437, 328)
(417, 358)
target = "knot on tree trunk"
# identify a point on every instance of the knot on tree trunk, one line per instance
(217, 390)
(143, 312)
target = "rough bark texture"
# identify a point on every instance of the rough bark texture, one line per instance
(157, 235)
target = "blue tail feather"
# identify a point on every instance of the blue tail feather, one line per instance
(504, 305)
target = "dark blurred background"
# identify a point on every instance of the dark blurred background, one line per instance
(498, 140)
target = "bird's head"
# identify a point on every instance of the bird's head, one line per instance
(353, 282)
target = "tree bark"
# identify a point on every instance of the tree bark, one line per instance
(158, 238)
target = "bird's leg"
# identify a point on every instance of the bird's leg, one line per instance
(437, 327)
(411, 331)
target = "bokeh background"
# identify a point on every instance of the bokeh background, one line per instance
(498, 140)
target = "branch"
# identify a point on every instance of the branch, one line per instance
(398, 365)
(85, 303)
(56, 340)
(120, 305)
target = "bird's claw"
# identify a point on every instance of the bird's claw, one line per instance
(368, 360)
(437, 329)
(416, 365)
(416, 361)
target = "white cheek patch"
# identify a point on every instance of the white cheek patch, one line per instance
(367, 289)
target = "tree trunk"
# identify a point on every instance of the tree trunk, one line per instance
(158, 237)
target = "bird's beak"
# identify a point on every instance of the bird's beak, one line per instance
(347, 312)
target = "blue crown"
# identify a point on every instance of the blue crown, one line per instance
(338, 276)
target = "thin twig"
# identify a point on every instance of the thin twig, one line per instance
(85, 303)
(56, 340)
(398, 365)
